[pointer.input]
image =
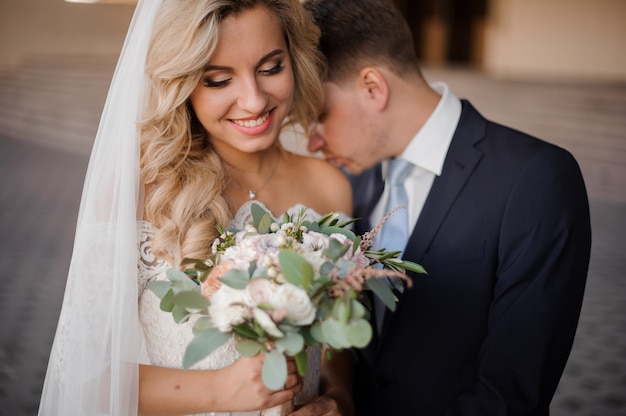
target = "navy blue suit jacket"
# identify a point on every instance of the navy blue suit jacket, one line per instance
(505, 237)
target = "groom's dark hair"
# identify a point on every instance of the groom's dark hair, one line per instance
(356, 33)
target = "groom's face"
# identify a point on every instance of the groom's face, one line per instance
(345, 130)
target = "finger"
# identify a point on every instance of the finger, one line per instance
(292, 367)
(297, 388)
(292, 380)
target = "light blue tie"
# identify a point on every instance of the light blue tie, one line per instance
(395, 231)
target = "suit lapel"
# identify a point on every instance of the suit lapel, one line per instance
(366, 191)
(460, 162)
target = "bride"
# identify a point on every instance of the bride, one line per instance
(188, 138)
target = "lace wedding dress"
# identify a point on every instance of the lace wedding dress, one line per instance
(166, 340)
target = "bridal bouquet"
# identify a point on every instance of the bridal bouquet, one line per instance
(278, 287)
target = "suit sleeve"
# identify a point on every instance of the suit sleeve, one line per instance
(544, 248)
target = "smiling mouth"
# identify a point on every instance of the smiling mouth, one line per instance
(252, 123)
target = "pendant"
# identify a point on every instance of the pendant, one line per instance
(252, 194)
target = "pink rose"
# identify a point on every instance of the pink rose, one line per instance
(212, 283)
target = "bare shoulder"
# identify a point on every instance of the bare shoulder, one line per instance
(327, 185)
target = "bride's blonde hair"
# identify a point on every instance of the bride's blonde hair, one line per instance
(183, 176)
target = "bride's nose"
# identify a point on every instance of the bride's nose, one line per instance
(251, 96)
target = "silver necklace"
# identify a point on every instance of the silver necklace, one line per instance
(252, 193)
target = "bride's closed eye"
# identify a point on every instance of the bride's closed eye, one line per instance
(277, 68)
(211, 83)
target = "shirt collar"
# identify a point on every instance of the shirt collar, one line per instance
(429, 146)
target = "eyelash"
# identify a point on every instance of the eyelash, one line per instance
(276, 69)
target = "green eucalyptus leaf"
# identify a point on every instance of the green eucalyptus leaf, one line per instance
(320, 286)
(295, 268)
(341, 311)
(302, 362)
(387, 255)
(192, 273)
(252, 267)
(191, 300)
(356, 244)
(180, 314)
(202, 324)
(316, 332)
(358, 310)
(197, 264)
(259, 272)
(335, 249)
(274, 371)
(326, 218)
(344, 224)
(180, 281)
(359, 333)
(166, 303)
(292, 343)
(265, 223)
(381, 288)
(413, 267)
(245, 331)
(257, 214)
(314, 226)
(249, 348)
(203, 344)
(338, 230)
(181, 286)
(237, 279)
(334, 332)
(175, 275)
(309, 340)
(160, 288)
(326, 269)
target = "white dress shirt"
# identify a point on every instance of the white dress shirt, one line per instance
(427, 152)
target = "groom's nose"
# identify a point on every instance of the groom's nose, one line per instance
(315, 142)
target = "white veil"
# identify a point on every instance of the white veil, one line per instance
(93, 366)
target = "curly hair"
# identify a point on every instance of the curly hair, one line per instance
(183, 176)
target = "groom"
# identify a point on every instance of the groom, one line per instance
(499, 219)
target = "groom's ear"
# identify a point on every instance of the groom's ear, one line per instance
(374, 87)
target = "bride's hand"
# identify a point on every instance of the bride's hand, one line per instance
(242, 388)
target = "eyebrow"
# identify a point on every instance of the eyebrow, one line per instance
(264, 59)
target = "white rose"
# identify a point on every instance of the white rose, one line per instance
(228, 308)
(316, 260)
(253, 247)
(260, 291)
(300, 309)
(268, 243)
(314, 241)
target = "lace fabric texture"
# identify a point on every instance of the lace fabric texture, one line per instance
(166, 340)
